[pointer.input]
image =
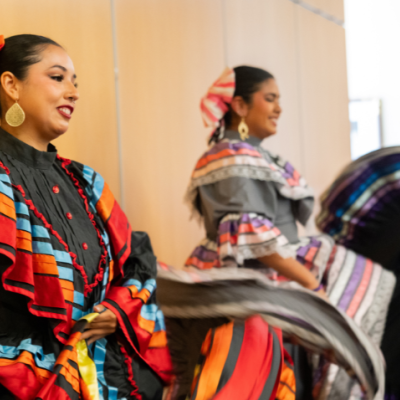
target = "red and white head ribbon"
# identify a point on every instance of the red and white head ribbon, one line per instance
(215, 103)
(2, 42)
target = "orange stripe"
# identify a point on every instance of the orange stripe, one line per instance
(27, 358)
(66, 284)
(111, 271)
(6, 200)
(225, 153)
(24, 244)
(24, 235)
(68, 294)
(44, 264)
(146, 324)
(143, 295)
(158, 339)
(7, 210)
(69, 375)
(106, 203)
(199, 264)
(287, 385)
(362, 288)
(134, 290)
(215, 362)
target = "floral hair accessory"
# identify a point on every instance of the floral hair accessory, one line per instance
(2, 42)
(215, 103)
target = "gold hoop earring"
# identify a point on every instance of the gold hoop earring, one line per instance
(243, 130)
(15, 115)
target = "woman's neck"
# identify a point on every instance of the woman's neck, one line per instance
(28, 136)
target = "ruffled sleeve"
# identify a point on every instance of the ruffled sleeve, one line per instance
(239, 215)
(133, 300)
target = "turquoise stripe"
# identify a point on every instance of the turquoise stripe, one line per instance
(365, 185)
(7, 190)
(88, 174)
(45, 361)
(62, 256)
(23, 225)
(76, 313)
(150, 285)
(98, 187)
(5, 178)
(149, 311)
(160, 322)
(65, 273)
(42, 248)
(40, 232)
(133, 282)
(21, 208)
(99, 357)
(79, 298)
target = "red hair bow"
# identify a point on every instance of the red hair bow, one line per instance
(215, 103)
(2, 42)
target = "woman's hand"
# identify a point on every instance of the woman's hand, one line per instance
(105, 324)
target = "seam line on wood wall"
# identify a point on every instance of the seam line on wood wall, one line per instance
(319, 12)
(117, 105)
(299, 95)
(225, 34)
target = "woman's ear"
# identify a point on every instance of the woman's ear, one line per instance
(239, 106)
(10, 85)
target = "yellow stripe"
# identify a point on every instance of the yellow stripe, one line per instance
(87, 367)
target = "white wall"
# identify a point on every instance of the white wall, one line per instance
(373, 58)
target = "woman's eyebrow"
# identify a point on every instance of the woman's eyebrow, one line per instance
(63, 68)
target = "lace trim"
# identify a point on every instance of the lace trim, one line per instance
(244, 171)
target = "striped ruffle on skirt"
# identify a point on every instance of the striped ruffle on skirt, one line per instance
(303, 317)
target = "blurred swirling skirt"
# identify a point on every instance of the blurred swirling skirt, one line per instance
(214, 297)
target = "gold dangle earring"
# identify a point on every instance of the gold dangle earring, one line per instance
(243, 129)
(15, 115)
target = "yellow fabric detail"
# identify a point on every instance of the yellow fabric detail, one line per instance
(87, 367)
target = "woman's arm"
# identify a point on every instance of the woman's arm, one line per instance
(293, 270)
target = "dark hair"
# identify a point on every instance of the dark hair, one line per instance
(22, 51)
(247, 81)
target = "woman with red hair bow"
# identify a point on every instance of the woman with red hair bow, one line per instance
(250, 201)
(78, 316)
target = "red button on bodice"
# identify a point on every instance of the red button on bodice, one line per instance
(85, 246)
(69, 215)
(56, 189)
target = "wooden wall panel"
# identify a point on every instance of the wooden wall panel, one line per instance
(84, 29)
(169, 52)
(262, 33)
(324, 98)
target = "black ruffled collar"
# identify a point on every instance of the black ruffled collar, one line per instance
(28, 155)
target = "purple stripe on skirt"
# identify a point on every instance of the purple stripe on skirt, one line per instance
(352, 285)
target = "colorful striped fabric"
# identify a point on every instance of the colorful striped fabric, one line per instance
(56, 290)
(240, 237)
(260, 370)
(214, 104)
(301, 315)
(233, 158)
(360, 196)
